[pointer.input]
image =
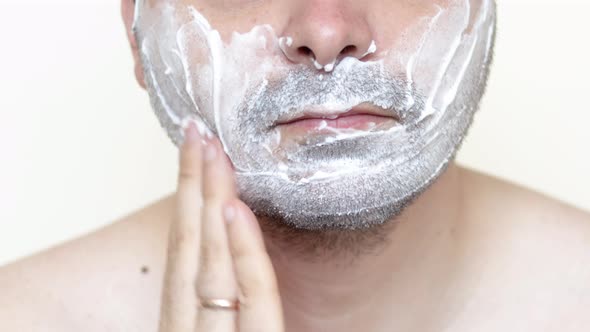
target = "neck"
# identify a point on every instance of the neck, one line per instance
(360, 280)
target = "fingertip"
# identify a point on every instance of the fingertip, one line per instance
(190, 152)
(237, 212)
(196, 136)
(227, 159)
(248, 214)
(191, 132)
(229, 212)
(223, 164)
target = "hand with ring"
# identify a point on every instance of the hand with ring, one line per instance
(219, 277)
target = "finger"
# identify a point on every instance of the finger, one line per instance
(216, 274)
(260, 302)
(178, 294)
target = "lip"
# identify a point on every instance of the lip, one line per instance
(335, 117)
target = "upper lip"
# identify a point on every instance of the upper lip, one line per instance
(318, 114)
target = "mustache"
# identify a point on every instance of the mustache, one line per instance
(351, 83)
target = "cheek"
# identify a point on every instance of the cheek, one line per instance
(399, 32)
(178, 48)
(399, 25)
(220, 73)
(422, 41)
(230, 16)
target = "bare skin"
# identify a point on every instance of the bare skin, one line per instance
(518, 261)
(473, 253)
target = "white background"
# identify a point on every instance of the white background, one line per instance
(80, 146)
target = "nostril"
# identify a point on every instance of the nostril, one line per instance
(305, 51)
(350, 49)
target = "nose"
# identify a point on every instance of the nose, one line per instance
(320, 33)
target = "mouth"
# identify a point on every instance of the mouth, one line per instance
(359, 118)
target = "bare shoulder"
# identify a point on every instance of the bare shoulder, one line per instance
(513, 211)
(110, 276)
(522, 204)
(534, 251)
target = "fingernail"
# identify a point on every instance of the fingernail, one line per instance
(201, 128)
(229, 213)
(210, 151)
(191, 133)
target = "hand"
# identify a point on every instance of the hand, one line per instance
(215, 250)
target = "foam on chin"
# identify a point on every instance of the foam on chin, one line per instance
(188, 66)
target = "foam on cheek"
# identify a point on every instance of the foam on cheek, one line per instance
(372, 49)
(215, 46)
(235, 73)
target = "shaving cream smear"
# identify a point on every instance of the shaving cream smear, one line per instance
(242, 89)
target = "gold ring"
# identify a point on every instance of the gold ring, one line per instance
(223, 304)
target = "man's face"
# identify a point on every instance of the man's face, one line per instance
(274, 79)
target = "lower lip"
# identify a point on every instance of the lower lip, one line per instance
(355, 121)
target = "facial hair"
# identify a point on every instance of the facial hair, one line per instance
(389, 170)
